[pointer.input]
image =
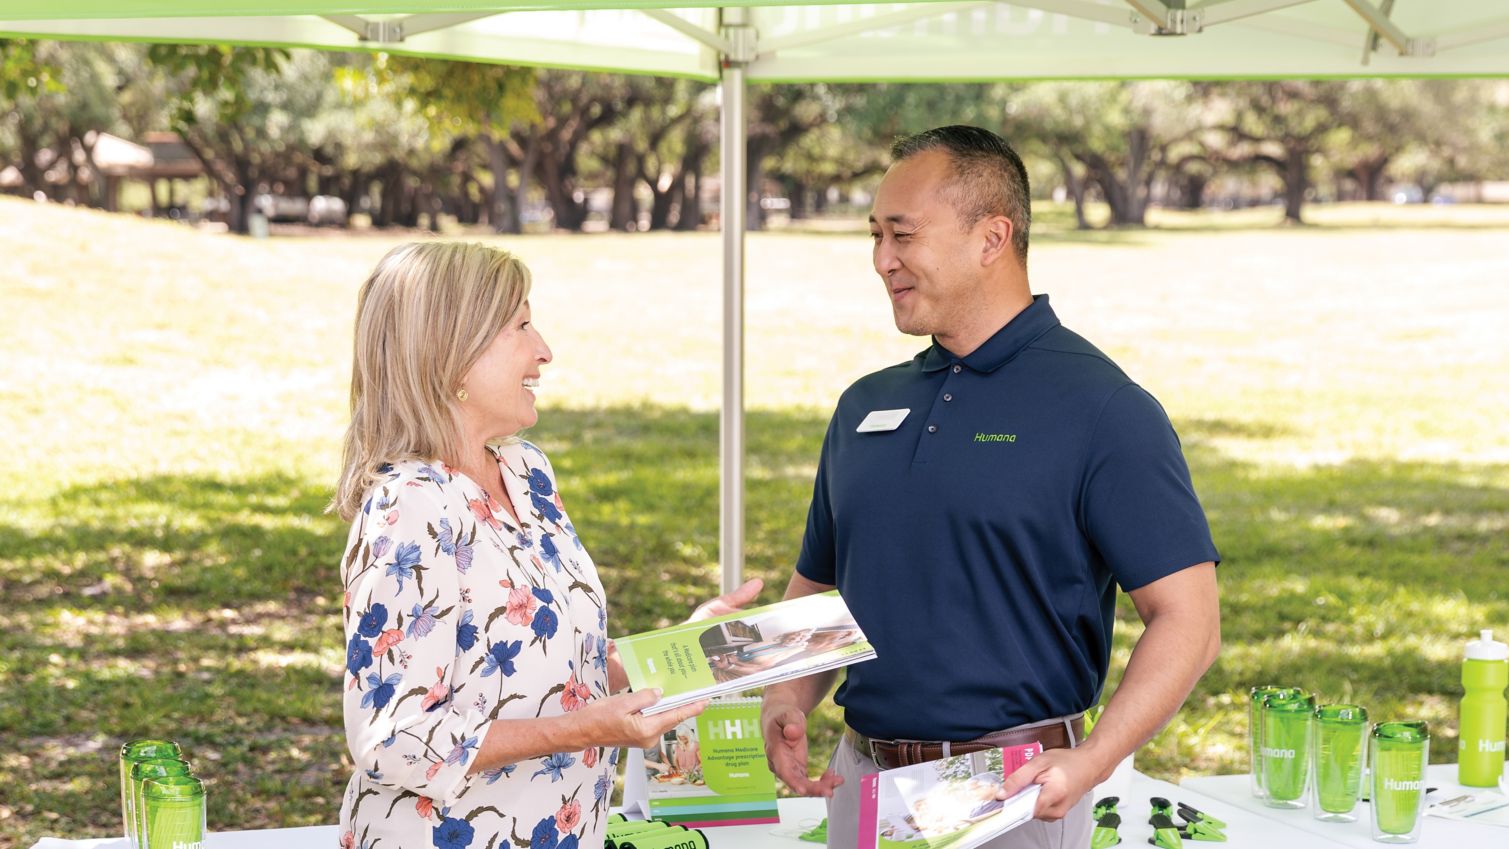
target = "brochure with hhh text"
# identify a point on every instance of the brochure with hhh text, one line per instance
(710, 770)
(744, 650)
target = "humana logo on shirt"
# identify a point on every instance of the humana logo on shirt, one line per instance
(1278, 753)
(995, 437)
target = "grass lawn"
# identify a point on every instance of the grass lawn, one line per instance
(174, 402)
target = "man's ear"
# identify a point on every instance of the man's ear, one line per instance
(997, 231)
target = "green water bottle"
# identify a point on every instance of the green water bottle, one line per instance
(1480, 741)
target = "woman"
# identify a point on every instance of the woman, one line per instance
(478, 669)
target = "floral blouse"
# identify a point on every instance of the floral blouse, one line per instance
(454, 617)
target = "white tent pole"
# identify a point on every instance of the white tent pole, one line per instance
(731, 429)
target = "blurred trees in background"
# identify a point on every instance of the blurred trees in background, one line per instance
(407, 140)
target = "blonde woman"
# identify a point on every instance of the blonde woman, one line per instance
(478, 670)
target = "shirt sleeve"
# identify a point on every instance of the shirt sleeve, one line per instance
(1138, 505)
(403, 727)
(817, 561)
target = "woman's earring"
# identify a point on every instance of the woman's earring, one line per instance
(462, 394)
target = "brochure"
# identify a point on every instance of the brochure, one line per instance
(945, 803)
(744, 650)
(710, 770)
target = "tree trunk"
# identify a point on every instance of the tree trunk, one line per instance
(1192, 190)
(689, 210)
(1296, 180)
(1075, 186)
(1369, 176)
(623, 214)
(798, 196)
(503, 205)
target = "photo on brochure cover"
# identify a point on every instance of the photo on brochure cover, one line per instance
(738, 648)
(947, 803)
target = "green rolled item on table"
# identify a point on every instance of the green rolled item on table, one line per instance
(618, 833)
(614, 819)
(674, 837)
(141, 773)
(174, 808)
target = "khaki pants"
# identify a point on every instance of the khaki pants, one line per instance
(1071, 832)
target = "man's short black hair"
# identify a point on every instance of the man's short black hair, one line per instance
(989, 177)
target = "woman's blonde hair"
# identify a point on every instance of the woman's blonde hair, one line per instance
(423, 318)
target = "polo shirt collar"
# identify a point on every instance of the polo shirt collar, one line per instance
(1019, 332)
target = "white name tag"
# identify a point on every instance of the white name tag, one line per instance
(882, 420)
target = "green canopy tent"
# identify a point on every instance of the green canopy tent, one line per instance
(733, 42)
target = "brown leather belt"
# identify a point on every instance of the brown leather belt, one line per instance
(890, 754)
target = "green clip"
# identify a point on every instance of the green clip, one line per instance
(1194, 815)
(817, 834)
(1104, 835)
(1162, 807)
(1202, 831)
(1165, 834)
(1105, 806)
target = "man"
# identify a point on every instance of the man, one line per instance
(977, 507)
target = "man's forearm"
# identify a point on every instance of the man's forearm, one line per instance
(1182, 639)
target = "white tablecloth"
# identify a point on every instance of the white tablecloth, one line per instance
(1436, 833)
(1247, 828)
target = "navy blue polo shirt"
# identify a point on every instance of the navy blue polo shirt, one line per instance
(979, 544)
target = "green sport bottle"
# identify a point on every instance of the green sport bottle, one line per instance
(1480, 724)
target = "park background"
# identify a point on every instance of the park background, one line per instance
(174, 395)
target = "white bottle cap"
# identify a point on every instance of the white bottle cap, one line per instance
(1486, 648)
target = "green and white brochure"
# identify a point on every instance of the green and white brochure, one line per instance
(744, 650)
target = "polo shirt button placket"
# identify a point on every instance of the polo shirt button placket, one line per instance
(947, 397)
(958, 368)
(932, 428)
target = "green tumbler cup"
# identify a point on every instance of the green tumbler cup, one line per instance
(174, 810)
(1400, 752)
(132, 753)
(1286, 719)
(1340, 750)
(1255, 733)
(143, 772)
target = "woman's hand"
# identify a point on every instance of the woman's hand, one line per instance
(617, 721)
(730, 603)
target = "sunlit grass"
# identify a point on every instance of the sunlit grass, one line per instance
(174, 403)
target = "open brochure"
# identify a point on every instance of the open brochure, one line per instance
(945, 803)
(744, 650)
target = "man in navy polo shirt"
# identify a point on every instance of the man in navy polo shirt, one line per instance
(977, 508)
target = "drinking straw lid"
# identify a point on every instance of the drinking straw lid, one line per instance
(1486, 648)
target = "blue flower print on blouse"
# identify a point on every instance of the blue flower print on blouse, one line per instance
(466, 632)
(603, 785)
(545, 622)
(551, 554)
(544, 836)
(380, 690)
(372, 621)
(453, 834)
(545, 507)
(492, 775)
(567, 842)
(501, 656)
(358, 654)
(599, 651)
(451, 543)
(423, 621)
(405, 559)
(540, 482)
(553, 765)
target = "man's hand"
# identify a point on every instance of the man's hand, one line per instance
(784, 727)
(744, 594)
(1066, 775)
